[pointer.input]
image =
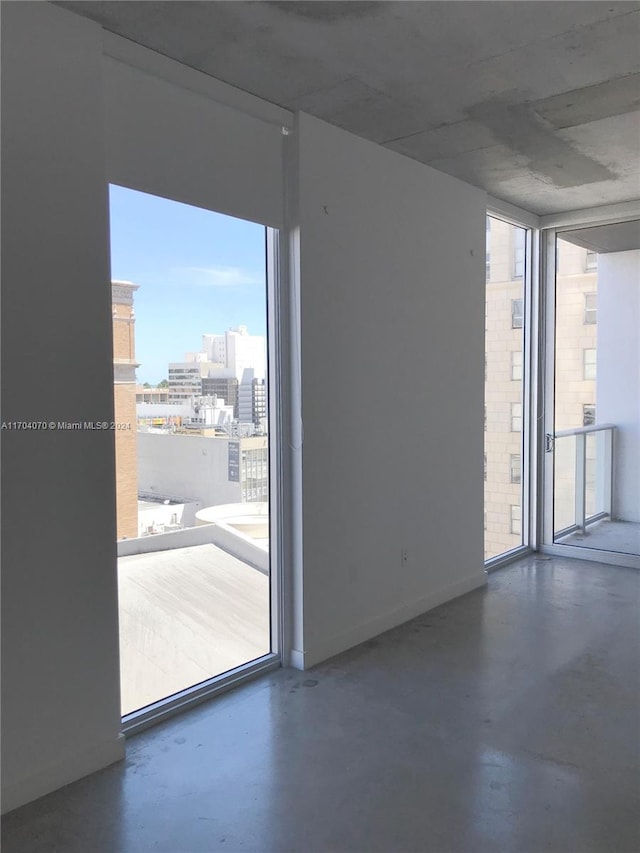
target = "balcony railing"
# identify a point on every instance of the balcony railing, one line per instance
(583, 477)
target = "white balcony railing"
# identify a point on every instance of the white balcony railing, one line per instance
(583, 477)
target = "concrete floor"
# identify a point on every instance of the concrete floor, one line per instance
(507, 720)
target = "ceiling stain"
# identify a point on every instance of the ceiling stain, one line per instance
(328, 12)
(521, 129)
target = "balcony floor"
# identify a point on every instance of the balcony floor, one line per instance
(186, 615)
(622, 537)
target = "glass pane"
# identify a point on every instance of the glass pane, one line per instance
(565, 480)
(192, 461)
(504, 378)
(590, 474)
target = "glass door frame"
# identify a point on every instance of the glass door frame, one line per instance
(546, 418)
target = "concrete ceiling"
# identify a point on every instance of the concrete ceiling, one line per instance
(536, 102)
(619, 237)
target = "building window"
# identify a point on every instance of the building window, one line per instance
(516, 520)
(518, 253)
(516, 366)
(591, 261)
(588, 414)
(485, 467)
(516, 417)
(516, 313)
(590, 308)
(514, 468)
(589, 363)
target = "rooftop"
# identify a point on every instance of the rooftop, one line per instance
(186, 615)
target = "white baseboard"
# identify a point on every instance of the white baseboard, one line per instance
(296, 659)
(55, 776)
(330, 646)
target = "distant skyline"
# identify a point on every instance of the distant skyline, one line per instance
(199, 273)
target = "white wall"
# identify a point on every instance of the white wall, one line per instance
(392, 303)
(618, 366)
(186, 466)
(60, 692)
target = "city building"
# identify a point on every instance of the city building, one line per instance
(370, 139)
(185, 380)
(125, 394)
(237, 352)
(225, 388)
(204, 466)
(151, 395)
(231, 366)
(252, 402)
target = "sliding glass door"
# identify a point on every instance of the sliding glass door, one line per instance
(593, 425)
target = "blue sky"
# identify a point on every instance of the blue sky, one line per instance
(199, 272)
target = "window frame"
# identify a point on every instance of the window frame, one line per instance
(517, 317)
(589, 365)
(517, 480)
(590, 315)
(530, 389)
(517, 520)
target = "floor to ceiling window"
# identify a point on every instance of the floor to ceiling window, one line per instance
(191, 391)
(504, 417)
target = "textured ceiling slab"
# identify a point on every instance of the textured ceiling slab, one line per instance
(546, 86)
(449, 140)
(362, 110)
(591, 103)
(329, 12)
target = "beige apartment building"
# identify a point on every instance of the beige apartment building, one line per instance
(576, 323)
(151, 395)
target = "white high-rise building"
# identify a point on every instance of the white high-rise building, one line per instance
(233, 355)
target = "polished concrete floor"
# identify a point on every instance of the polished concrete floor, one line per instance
(507, 720)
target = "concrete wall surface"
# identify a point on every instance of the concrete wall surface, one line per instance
(186, 466)
(60, 692)
(618, 373)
